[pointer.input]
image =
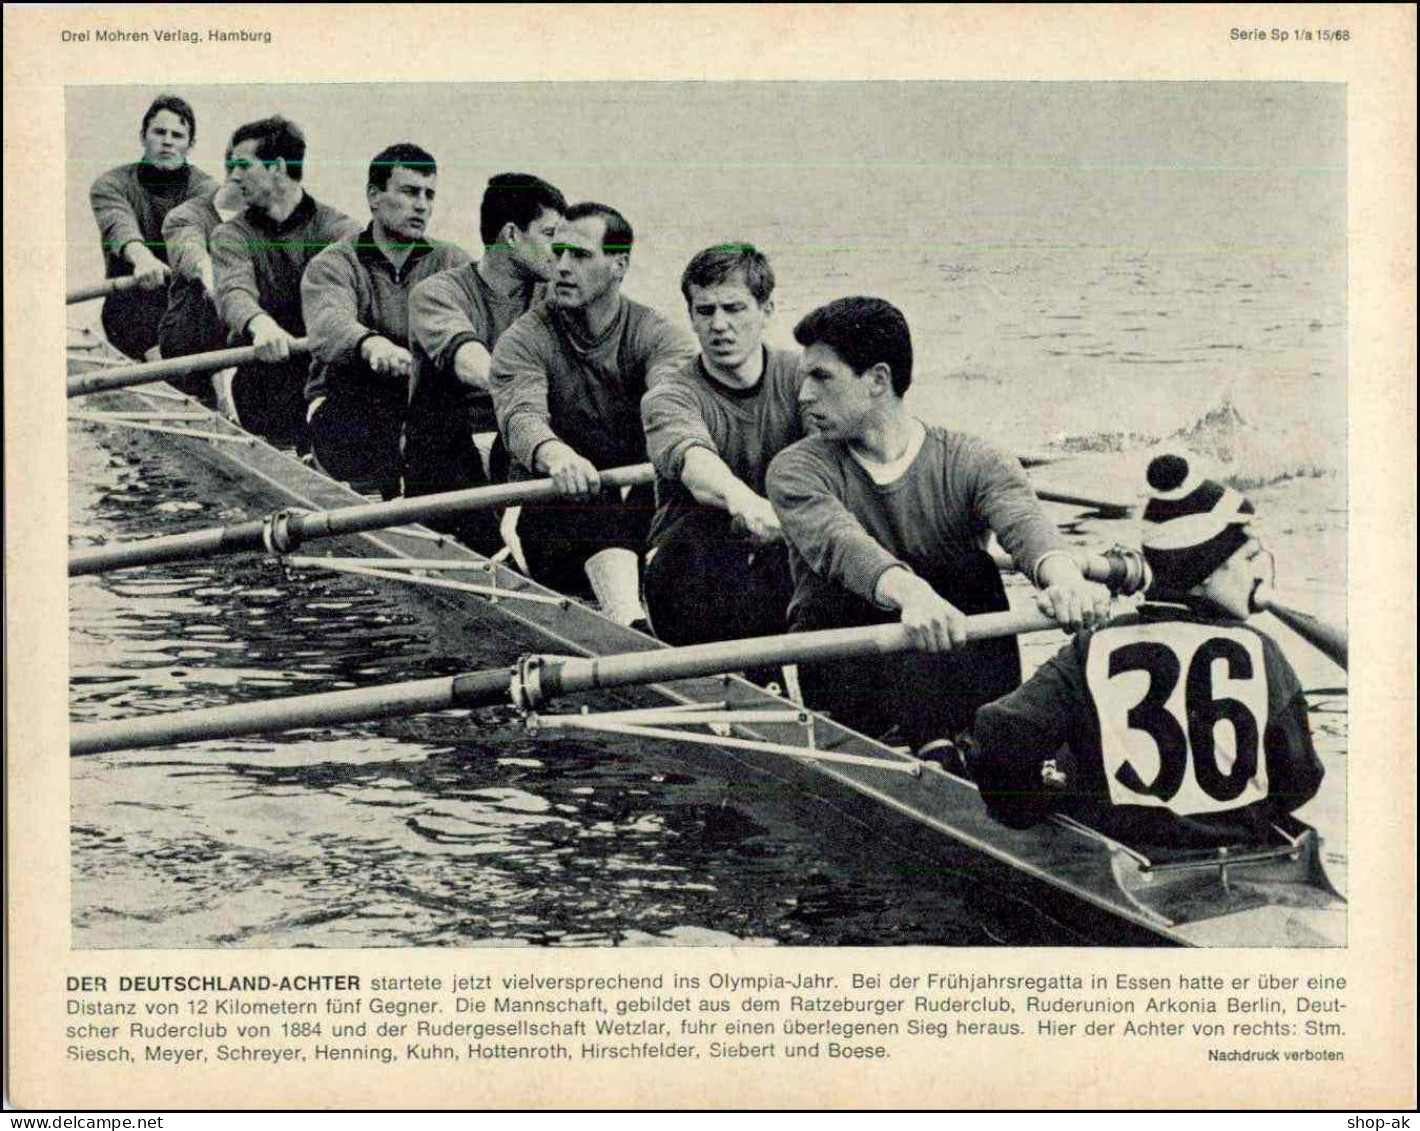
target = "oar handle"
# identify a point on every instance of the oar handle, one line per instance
(1120, 569)
(150, 371)
(1327, 638)
(100, 290)
(532, 684)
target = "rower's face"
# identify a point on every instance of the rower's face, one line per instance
(729, 321)
(583, 271)
(531, 248)
(229, 195)
(1232, 584)
(166, 141)
(405, 206)
(255, 180)
(834, 401)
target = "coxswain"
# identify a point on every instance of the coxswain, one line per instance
(355, 296)
(888, 518)
(130, 204)
(259, 259)
(192, 324)
(1177, 724)
(719, 568)
(567, 382)
(455, 319)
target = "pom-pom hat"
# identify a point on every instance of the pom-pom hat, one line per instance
(1200, 524)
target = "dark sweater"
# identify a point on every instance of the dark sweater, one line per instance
(258, 263)
(746, 428)
(350, 292)
(549, 383)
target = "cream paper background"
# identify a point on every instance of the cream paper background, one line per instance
(748, 42)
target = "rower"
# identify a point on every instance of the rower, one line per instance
(355, 296)
(567, 382)
(718, 568)
(887, 517)
(259, 259)
(1177, 724)
(455, 318)
(130, 204)
(192, 324)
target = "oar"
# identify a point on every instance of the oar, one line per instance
(1103, 507)
(530, 685)
(101, 290)
(1327, 638)
(285, 531)
(150, 371)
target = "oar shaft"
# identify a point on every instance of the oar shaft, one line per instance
(398, 512)
(332, 708)
(554, 677)
(1326, 638)
(567, 676)
(169, 548)
(149, 371)
(1105, 508)
(295, 529)
(100, 290)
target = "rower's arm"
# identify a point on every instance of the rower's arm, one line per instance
(473, 364)
(1004, 501)
(440, 321)
(667, 349)
(1016, 736)
(238, 297)
(707, 477)
(1294, 772)
(683, 448)
(115, 215)
(518, 382)
(330, 307)
(806, 491)
(185, 233)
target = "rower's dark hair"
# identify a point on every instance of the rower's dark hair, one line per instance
(401, 155)
(277, 139)
(723, 262)
(174, 105)
(862, 331)
(517, 198)
(618, 237)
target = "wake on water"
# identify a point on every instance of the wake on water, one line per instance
(1239, 453)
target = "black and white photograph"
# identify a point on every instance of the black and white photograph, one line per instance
(1059, 364)
(695, 557)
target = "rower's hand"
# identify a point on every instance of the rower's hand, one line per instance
(574, 476)
(933, 623)
(754, 515)
(386, 358)
(150, 271)
(272, 344)
(1075, 604)
(208, 279)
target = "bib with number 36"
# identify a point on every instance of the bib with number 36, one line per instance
(1181, 709)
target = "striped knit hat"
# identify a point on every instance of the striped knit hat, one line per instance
(1200, 525)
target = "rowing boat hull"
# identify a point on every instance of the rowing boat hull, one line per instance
(1120, 899)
